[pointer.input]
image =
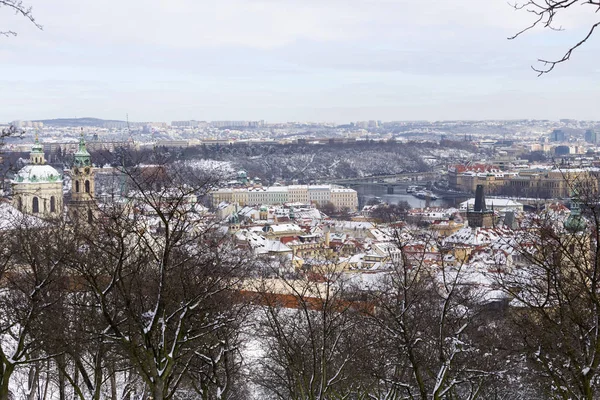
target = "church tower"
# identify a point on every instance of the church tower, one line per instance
(37, 187)
(82, 183)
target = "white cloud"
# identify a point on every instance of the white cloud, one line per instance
(273, 59)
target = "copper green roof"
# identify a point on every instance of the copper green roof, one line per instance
(37, 146)
(82, 156)
(575, 222)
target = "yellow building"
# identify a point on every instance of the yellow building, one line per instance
(298, 194)
(556, 183)
(340, 197)
(343, 198)
(543, 183)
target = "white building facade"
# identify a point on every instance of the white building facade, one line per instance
(341, 198)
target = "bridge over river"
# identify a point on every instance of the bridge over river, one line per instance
(393, 179)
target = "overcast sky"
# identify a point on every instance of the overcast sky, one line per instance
(292, 60)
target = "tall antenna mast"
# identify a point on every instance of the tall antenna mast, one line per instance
(128, 129)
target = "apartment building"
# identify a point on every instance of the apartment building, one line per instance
(319, 194)
(344, 198)
(298, 194)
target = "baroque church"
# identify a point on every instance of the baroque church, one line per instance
(38, 188)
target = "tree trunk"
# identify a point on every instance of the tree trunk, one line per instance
(128, 386)
(60, 360)
(113, 386)
(75, 382)
(4, 380)
(32, 382)
(158, 390)
(47, 383)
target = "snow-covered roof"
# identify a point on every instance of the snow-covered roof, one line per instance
(286, 228)
(381, 235)
(495, 202)
(478, 236)
(11, 218)
(352, 225)
(37, 173)
(282, 189)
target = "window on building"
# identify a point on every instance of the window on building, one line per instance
(36, 205)
(52, 204)
(87, 186)
(19, 203)
(76, 186)
(89, 216)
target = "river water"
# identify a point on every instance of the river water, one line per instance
(368, 191)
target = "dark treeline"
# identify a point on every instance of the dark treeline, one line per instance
(310, 163)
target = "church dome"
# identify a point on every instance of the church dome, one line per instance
(37, 173)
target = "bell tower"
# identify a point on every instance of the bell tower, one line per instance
(82, 183)
(82, 174)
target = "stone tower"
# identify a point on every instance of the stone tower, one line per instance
(480, 216)
(82, 185)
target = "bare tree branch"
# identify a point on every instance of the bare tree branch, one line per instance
(545, 12)
(20, 9)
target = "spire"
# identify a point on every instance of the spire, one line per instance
(82, 156)
(37, 152)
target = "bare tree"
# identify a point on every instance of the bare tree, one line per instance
(18, 7)
(429, 319)
(162, 279)
(312, 328)
(86, 363)
(545, 12)
(32, 283)
(387, 213)
(557, 309)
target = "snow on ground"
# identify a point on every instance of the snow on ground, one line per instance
(221, 169)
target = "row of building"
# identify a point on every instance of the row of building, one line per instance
(341, 198)
(540, 181)
(218, 124)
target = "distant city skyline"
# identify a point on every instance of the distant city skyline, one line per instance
(335, 61)
(261, 122)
